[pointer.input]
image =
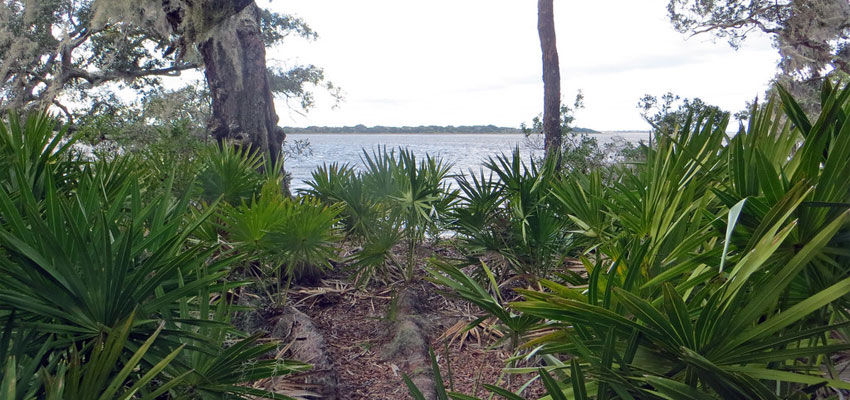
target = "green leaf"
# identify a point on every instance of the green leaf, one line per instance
(798, 311)
(411, 387)
(577, 378)
(786, 376)
(676, 390)
(7, 387)
(552, 387)
(734, 214)
(438, 379)
(502, 392)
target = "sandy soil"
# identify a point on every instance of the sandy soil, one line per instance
(356, 324)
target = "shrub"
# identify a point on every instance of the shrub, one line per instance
(103, 290)
(715, 269)
(289, 236)
(230, 173)
(395, 198)
(512, 217)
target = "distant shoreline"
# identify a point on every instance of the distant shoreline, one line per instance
(422, 129)
(606, 133)
(401, 133)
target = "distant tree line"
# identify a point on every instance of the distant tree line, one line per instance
(413, 129)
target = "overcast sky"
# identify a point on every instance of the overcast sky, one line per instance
(470, 62)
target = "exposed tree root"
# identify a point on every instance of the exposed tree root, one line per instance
(308, 345)
(408, 347)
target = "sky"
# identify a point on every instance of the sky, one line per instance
(478, 62)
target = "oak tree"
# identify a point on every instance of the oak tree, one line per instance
(54, 52)
(812, 36)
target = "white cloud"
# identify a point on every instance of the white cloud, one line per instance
(463, 62)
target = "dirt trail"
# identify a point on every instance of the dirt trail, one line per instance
(369, 355)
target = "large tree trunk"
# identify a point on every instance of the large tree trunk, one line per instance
(227, 34)
(235, 67)
(551, 80)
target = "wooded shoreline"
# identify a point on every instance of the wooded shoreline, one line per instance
(432, 129)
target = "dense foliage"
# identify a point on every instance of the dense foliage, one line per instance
(709, 266)
(715, 269)
(395, 199)
(700, 265)
(811, 37)
(53, 53)
(114, 284)
(669, 111)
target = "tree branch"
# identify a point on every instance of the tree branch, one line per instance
(736, 25)
(65, 111)
(95, 79)
(752, 18)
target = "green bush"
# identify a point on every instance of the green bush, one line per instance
(103, 289)
(290, 237)
(716, 268)
(341, 184)
(32, 151)
(230, 173)
(396, 198)
(512, 217)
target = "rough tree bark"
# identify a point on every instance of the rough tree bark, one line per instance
(230, 42)
(235, 67)
(551, 80)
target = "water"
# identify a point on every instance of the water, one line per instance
(465, 151)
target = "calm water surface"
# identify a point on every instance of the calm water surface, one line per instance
(465, 151)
